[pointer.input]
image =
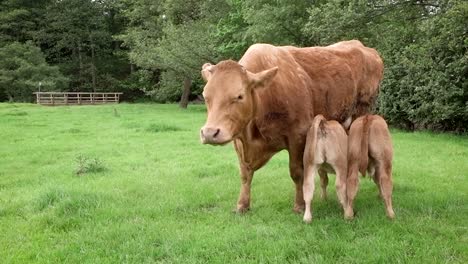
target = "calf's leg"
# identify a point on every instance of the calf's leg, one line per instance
(352, 184)
(308, 189)
(386, 187)
(340, 183)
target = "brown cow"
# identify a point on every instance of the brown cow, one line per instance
(326, 150)
(370, 148)
(267, 100)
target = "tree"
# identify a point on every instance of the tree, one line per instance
(77, 35)
(23, 69)
(185, 42)
(20, 19)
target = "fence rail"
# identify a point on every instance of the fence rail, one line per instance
(76, 98)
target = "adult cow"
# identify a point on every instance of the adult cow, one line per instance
(266, 102)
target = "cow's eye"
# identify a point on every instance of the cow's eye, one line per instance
(240, 97)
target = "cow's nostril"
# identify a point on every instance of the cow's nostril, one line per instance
(216, 133)
(201, 132)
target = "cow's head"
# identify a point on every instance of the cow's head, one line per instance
(229, 99)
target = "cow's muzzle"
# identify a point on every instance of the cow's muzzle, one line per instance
(212, 135)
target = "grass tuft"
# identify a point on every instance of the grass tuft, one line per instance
(49, 199)
(86, 165)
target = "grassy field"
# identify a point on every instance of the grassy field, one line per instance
(132, 184)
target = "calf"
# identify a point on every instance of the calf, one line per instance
(370, 148)
(325, 151)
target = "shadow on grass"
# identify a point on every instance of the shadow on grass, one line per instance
(16, 113)
(157, 128)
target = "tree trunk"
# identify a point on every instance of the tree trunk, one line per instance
(93, 64)
(80, 60)
(186, 93)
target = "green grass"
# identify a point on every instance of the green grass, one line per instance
(148, 191)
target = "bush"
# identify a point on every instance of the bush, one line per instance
(425, 84)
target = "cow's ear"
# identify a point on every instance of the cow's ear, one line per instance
(207, 71)
(262, 78)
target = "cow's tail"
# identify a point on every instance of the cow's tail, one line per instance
(364, 157)
(312, 137)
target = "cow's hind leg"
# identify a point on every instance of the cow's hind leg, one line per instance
(296, 171)
(386, 187)
(323, 183)
(352, 184)
(308, 189)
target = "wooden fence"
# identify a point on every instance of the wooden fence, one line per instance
(76, 98)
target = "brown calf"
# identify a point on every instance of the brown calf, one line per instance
(325, 151)
(370, 148)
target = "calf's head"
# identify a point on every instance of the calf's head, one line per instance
(229, 99)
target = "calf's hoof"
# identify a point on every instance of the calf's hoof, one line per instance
(391, 215)
(349, 215)
(307, 218)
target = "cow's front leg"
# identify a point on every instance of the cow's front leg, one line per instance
(243, 203)
(251, 158)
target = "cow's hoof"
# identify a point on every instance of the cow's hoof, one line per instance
(307, 219)
(299, 209)
(241, 210)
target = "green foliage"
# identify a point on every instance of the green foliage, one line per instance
(137, 85)
(230, 32)
(278, 22)
(20, 19)
(167, 198)
(23, 69)
(425, 85)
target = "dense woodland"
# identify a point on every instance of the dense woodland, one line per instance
(154, 49)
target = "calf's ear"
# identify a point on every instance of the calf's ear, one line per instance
(207, 71)
(262, 78)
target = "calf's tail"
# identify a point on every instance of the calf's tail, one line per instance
(364, 157)
(312, 137)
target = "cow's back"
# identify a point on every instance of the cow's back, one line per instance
(345, 77)
(367, 66)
